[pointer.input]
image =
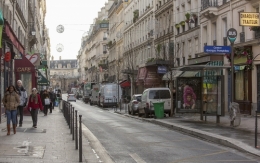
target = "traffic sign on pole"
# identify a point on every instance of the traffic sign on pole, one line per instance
(232, 35)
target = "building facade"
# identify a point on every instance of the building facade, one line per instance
(64, 74)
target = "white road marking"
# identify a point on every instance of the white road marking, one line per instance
(137, 158)
(100, 111)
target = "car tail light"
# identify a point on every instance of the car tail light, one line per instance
(147, 105)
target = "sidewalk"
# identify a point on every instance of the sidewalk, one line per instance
(51, 141)
(241, 138)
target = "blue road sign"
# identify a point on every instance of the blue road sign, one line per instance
(217, 49)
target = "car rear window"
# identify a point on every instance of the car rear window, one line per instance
(138, 98)
(159, 94)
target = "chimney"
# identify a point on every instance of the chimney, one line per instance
(60, 57)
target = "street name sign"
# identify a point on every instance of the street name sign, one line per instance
(249, 19)
(217, 49)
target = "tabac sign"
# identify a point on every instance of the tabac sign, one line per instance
(249, 19)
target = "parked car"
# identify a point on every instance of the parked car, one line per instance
(151, 95)
(71, 97)
(133, 105)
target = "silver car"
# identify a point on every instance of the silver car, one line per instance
(71, 97)
(133, 105)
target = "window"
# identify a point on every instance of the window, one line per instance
(224, 22)
(159, 94)
(27, 82)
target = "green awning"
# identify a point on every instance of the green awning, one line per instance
(42, 80)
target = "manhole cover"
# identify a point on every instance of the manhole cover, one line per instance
(25, 149)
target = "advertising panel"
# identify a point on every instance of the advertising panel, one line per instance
(249, 19)
(189, 96)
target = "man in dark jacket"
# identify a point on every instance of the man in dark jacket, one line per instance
(23, 101)
(52, 98)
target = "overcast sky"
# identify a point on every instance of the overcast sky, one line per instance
(76, 17)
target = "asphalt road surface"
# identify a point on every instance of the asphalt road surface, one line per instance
(129, 140)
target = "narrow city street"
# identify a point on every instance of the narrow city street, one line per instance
(130, 140)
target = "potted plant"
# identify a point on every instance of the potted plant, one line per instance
(187, 15)
(177, 25)
(182, 23)
(256, 29)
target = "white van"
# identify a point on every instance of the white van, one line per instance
(94, 98)
(109, 94)
(151, 95)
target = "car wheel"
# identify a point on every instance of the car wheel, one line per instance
(146, 115)
(139, 114)
(128, 108)
(132, 111)
(90, 103)
(75, 100)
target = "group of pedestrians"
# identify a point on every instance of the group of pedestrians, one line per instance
(16, 99)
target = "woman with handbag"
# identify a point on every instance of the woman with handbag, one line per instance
(34, 104)
(11, 100)
(46, 102)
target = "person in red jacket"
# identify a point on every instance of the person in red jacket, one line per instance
(34, 104)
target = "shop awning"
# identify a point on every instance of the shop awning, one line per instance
(175, 73)
(189, 73)
(42, 80)
(125, 84)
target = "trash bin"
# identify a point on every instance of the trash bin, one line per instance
(158, 109)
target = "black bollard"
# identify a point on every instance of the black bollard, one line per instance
(76, 129)
(71, 119)
(256, 130)
(73, 123)
(80, 139)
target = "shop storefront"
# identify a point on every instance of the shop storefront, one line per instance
(242, 78)
(25, 71)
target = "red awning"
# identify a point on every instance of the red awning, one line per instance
(125, 84)
(9, 32)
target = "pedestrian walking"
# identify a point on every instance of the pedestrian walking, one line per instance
(11, 100)
(34, 104)
(45, 102)
(23, 101)
(52, 98)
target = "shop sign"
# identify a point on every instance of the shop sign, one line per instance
(249, 19)
(162, 70)
(24, 69)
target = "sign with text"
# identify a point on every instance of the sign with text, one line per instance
(161, 69)
(249, 19)
(217, 49)
(232, 35)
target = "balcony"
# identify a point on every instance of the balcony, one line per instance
(156, 61)
(103, 65)
(91, 69)
(209, 8)
(242, 37)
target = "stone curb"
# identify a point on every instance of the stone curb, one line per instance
(218, 139)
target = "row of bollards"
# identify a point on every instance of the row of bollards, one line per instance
(71, 117)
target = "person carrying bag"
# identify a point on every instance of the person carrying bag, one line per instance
(46, 102)
(34, 104)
